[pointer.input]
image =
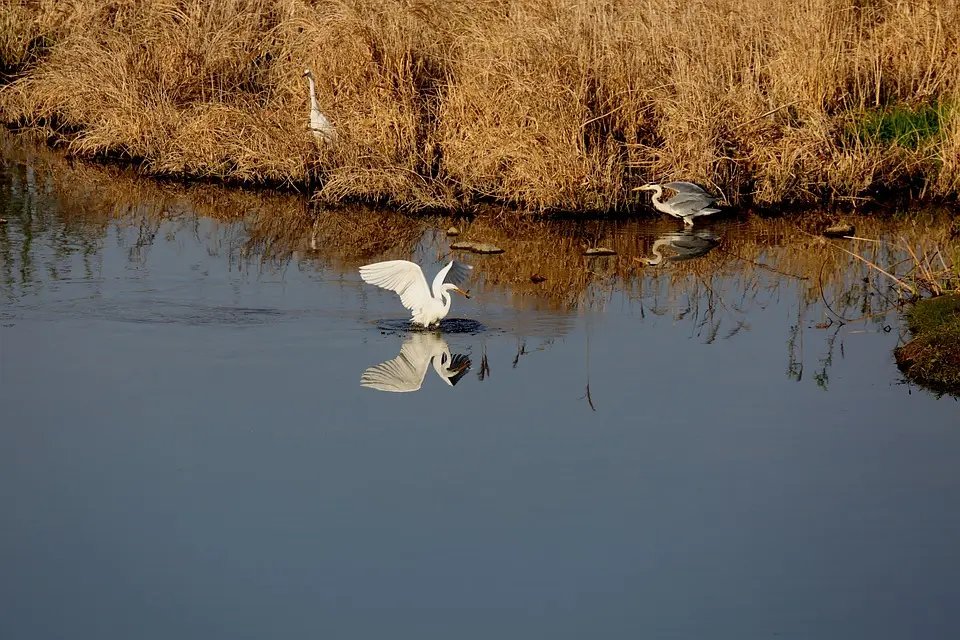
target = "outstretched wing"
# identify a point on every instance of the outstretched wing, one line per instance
(459, 273)
(406, 371)
(402, 276)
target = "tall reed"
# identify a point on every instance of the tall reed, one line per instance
(542, 104)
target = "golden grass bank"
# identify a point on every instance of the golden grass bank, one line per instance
(539, 104)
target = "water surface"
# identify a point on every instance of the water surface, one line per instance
(695, 450)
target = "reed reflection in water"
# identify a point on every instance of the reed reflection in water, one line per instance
(184, 445)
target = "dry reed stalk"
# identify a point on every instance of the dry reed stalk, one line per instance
(545, 104)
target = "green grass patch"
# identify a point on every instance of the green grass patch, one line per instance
(900, 124)
(932, 357)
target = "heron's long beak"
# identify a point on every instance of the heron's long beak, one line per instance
(464, 293)
(645, 187)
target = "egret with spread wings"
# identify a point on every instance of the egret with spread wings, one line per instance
(407, 280)
(406, 371)
(688, 201)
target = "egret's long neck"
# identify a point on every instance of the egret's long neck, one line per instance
(441, 361)
(446, 299)
(313, 94)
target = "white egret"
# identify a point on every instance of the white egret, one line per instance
(686, 244)
(406, 371)
(406, 279)
(320, 125)
(688, 202)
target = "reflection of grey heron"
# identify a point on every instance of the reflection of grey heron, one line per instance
(321, 127)
(407, 280)
(687, 245)
(688, 202)
(407, 370)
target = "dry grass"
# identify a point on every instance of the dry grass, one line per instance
(543, 104)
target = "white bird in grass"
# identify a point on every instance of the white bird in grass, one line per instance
(321, 127)
(406, 279)
(688, 202)
(406, 371)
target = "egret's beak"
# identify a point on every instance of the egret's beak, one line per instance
(462, 292)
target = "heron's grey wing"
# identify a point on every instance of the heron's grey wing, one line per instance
(691, 201)
(692, 241)
(701, 212)
(689, 196)
(690, 245)
(459, 274)
(403, 277)
(686, 188)
(403, 373)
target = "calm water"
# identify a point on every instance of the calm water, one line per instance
(186, 450)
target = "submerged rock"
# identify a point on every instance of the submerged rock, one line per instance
(839, 230)
(476, 247)
(599, 251)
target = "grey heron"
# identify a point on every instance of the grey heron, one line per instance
(687, 245)
(688, 202)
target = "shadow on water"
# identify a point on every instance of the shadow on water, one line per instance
(446, 325)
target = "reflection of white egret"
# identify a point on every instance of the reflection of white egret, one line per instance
(407, 370)
(686, 244)
(321, 127)
(688, 202)
(406, 279)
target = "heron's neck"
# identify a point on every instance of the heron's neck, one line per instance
(657, 192)
(313, 94)
(657, 252)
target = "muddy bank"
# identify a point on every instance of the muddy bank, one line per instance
(536, 104)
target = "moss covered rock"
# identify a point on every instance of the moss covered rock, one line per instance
(932, 357)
